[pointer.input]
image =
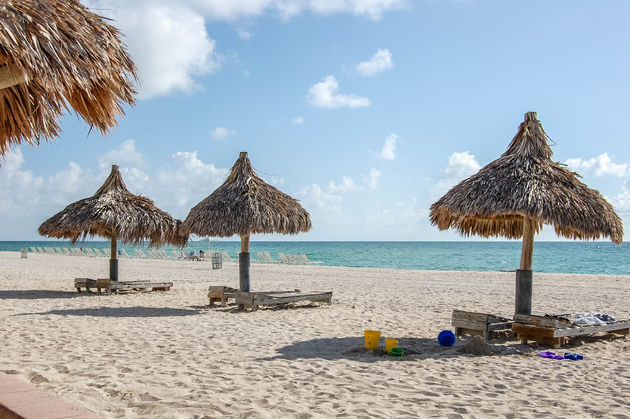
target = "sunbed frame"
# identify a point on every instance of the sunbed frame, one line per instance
(260, 298)
(556, 332)
(114, 286)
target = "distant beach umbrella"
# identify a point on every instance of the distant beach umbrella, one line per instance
(244, 204)
(516, 194)
(55, 53)
(117, 214)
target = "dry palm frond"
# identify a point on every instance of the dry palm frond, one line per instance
(524, 181)
(114, 212)
(55, 53)
(245, 204)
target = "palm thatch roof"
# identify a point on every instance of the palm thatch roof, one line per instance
(55, 53)
(116, 213)
(524, 181)
(245, 204)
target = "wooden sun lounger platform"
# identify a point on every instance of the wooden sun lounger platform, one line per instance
(481, 324)
(115, 286)
(255, 299)
(219, 293)
(556, 332)
(258, 298)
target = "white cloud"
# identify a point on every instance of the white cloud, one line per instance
(298, 120)
(185, 181)
(231, 10)
(324, 95)
(622, 201)
(388, 152)
(600, 166)
(220, 133)
(314, 197)
(125, 155)
(347, 185)
(243, 34)
(460, 166)
(168, 42)
(28, 199)
(380, 61)
(371, 180)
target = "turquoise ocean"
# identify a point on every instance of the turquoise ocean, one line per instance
(559, 257)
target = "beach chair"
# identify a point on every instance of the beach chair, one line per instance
(40, 250)
(306, 260)
(107, 253)
(49, 250)
(98, 253)
(89, 252)
(262, 258)
(151, 254)
(124, 254)
(269, 258)
(285, 259)
(58, 250)
(164, 254)
(66, 252)
(296, 259)
(33, 250)
(176, 255)
(226, 257)
(140, 254)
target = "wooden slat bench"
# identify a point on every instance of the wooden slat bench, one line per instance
(255, 299)
(555, 332)
(86, 283)
(220, 293)
(481, 324)
(113, 286)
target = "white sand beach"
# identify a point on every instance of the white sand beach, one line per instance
(168, 355)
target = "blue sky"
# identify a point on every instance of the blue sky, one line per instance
(367, 111)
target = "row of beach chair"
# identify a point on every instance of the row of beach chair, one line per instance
(263, 257)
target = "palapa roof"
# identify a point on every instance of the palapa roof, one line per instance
(245, 204)
(55, 53)
(115, 212)
(524, 181)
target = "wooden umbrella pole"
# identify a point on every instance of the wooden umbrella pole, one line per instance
(113, 261)
(523, 292)
(243, 263)
(527, 250)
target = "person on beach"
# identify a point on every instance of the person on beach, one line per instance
(202, 255)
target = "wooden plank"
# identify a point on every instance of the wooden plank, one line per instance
(470, 324)
(587, 330)
(500, 326)
(542, 321)
(469, 315)
(533, 331)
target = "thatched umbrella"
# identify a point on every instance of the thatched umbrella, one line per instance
(516, 194)
(245, 204)
(55, 53)
(116, 213)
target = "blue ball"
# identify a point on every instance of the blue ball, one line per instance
(446, 338)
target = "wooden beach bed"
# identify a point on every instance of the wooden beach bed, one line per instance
(260, 298)
(115, 286)
(481, 324)
(554, 331)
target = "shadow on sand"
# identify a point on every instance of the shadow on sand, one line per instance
(122, 312)
(39, 294)
(353, 348)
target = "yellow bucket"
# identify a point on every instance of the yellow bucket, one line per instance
(371, 338)
(390, 343)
